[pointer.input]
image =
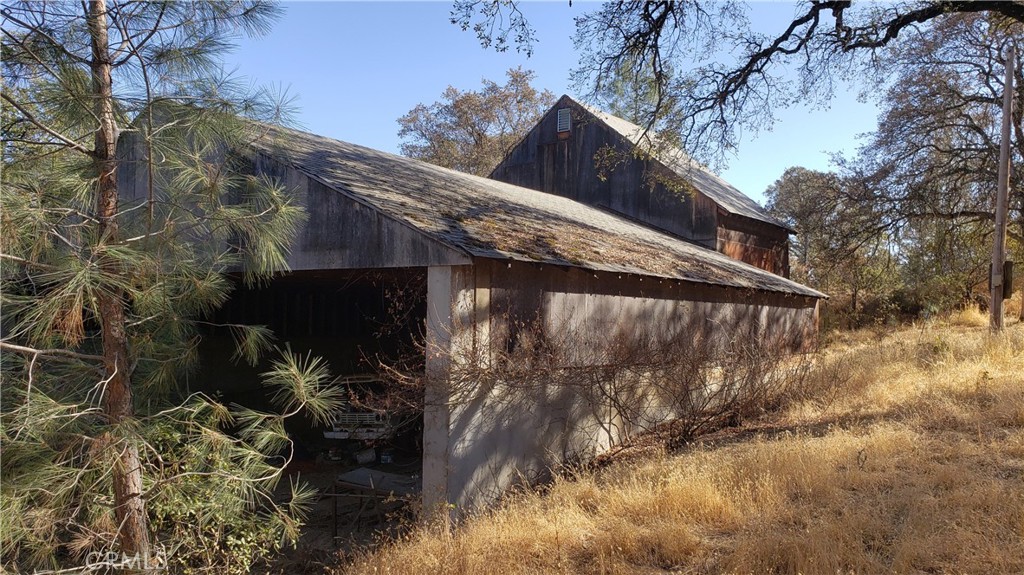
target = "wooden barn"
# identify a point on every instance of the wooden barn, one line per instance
(563, 155)
(490, 271)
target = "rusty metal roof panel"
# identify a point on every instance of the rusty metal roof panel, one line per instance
(487, 218)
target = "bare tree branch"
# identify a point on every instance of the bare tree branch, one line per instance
(50, 352)
(28, 116)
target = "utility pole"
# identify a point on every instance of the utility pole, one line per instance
(1002, 193)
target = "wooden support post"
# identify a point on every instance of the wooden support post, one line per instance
(999, 247)
(436, 411)
(450, 331)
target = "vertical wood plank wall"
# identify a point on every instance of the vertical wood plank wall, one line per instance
(634, 188)
(498, 434)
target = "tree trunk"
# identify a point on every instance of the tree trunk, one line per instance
(129, 508)
(1020, 269)
(853, 303)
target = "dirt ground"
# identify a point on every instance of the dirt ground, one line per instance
(318, 545)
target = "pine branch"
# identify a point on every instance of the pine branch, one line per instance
(29, 263)
(49, 69)
(67, 141)
(137, 47)
(50, 352)
(35, 30)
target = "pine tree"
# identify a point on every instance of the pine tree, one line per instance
(104, 294)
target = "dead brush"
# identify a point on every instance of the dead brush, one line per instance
(912, 466)
(634, 380)
(969, 316)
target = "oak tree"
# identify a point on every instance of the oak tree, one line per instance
(836, 248)
(471, 131)
(930, 168)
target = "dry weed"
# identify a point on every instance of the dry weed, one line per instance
(969, 316)
(1014, 304)
(915, 465)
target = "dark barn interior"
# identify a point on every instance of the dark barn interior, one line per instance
(352, 319)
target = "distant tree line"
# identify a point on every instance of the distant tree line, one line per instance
(906, 226)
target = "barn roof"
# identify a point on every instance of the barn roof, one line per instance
(491, 219)
(718, 190)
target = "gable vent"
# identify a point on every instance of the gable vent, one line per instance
(564, 120)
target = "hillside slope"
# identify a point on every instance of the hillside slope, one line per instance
(907, 458)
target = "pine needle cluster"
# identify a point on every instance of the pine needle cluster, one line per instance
(189, 216)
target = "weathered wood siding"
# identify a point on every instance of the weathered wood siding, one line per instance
(598, 308)
(498, 431)
(343, 233)
(755, 243)
(340, 232)
(567, 167)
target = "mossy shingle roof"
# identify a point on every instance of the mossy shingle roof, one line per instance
(491, 219)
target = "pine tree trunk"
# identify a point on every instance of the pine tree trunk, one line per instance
(129, 508)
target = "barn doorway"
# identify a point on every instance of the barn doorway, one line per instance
(368, 326)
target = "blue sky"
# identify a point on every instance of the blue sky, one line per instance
(356, 67)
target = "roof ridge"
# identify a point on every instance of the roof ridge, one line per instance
(727, 196)
(489, 218)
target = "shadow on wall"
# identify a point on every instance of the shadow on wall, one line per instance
(560, 379)
(559, 396)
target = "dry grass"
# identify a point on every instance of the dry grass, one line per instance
(914, 464)
(970, 316)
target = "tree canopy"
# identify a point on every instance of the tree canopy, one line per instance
(472, 131)
(832, 250)
(710, 74)
(934, 155)
(927, 176)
